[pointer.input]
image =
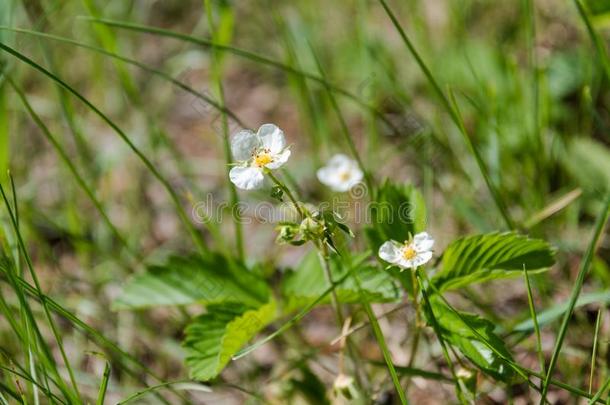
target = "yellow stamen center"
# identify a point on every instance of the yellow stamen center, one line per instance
(408, 252)
(344, 176)
(263, 158)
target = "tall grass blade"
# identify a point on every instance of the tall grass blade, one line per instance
(217, 74)
(72, 168)
(598, 42)
(387, 356)
(534, 316)
(584, 268)
(76, 394)
(344, 129)
(454, 114)
(594, 350)
(197, 239)
(247, 55)
(101, 396)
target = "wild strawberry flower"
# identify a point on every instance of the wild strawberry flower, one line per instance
(410, 254)
(255, 153)
(340, 173)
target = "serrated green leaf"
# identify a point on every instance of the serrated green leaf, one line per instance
(308, 282)
(458, 330)
(399, 211)
(479, 258)
(195, 279)
(213, 338)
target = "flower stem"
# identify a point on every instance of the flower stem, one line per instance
(286, 191)
(418, 322)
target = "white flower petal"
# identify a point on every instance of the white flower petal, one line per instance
(422, 258)
(325, 175)
(423, 242)
(247, 178)
(406, 263)
(272, 138)
(339, 160)
(391, 252)
(279, 159)
(329, 177)
(243, 144)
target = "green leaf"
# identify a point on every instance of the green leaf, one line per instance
(458, 330)
(186, 280)
(308, 282)
(400, 210)
(213, 338)
(479, 258)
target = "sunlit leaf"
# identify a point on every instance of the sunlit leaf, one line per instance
(458, 330)
(213, 338)
(479, 258)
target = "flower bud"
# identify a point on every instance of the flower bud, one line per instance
(311, 228)
(467, 379)
(286, 232)
(344, 386)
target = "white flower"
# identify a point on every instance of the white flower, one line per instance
(340, 173)
(255, 152)
(410, 254)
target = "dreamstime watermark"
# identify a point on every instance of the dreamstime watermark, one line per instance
(355, 209)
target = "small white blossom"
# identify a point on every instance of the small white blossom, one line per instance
(255, 152)
(410, 254)
(340, 173)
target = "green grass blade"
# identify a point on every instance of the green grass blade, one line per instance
(594, 350)
(247, 55)
(534, 316)
(595, 38)
(4, 130)
(344, 129)
(94, 334)
(530, 17)
(28, 378)
(181, 85)
(191, 385)
(437, 330)
(600, 392)
(104, 385)
(197, 239)
(455, 116)
(34, 276)
(584, 268)
(72, 168)
(387, 356)
(217, 74)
